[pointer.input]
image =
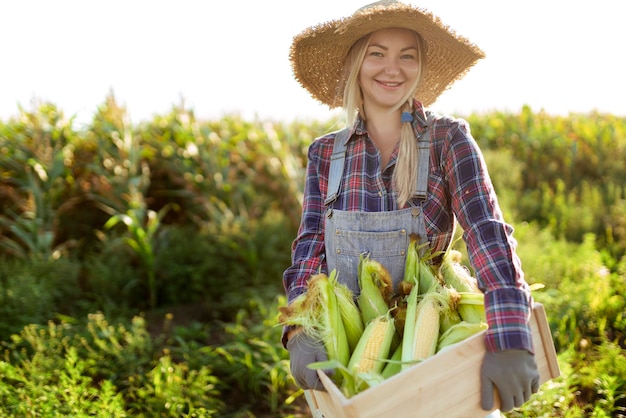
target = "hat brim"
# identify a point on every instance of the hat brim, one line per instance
(317, 54)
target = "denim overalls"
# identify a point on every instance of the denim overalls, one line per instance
(384, 236)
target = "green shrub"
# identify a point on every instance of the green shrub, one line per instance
(582, 296)
(112, 281)
(78, 369)
(255, 363)
(224, 263)
(599, 376)
(571, 170)
(32, 291)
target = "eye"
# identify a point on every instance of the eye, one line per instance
(408, 57)
(375, 54)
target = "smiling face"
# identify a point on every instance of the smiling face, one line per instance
(390, 69)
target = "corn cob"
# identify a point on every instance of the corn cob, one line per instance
(427, 328)
(458, 333)
(410, 268)
(350, 313)
(334, 337)
(454, 274)
(449, 314)
(410, 316)
(427, 277)
(376, 288)
(421, 328)
(471, 307)
(374, 346)
(318, 313)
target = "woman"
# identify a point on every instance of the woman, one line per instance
(399, 169)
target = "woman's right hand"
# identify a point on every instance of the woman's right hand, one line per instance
(303, 350)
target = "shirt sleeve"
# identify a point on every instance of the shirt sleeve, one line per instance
(308, 248)
(490, 243)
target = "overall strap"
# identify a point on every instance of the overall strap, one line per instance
(423, 161)
(337, 161)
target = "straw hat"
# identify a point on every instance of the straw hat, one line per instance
(317, 54)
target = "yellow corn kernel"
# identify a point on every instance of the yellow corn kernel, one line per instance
(427, 329)
(421, 328)
(374, 346)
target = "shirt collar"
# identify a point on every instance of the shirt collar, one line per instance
(419, 115)
(419, 121)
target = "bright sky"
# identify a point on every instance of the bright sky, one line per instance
(224, 57)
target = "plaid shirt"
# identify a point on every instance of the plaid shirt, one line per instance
(459, 188)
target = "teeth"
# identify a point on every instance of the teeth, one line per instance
(391, 84)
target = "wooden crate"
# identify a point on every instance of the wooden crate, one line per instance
(445, 385)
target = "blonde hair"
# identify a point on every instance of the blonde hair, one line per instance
(404, 178)
(352, 95)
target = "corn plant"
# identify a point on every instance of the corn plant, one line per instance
(37, 177)
(142, 226)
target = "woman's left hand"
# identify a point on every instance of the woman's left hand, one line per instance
(514, 373)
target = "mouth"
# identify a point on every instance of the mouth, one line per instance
(389, 84)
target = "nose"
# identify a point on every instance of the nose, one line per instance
(392, 67)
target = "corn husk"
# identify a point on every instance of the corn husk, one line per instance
(376, 289)
(457, 333)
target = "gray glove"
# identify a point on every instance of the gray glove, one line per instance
(514, 373)
(303, 351)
